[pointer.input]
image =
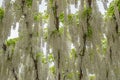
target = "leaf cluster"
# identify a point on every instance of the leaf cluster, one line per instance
(29, 3)
(1, 13)
(61, 17)
(52, 69)
(11, 42)
(56, 32)
(111, 10)
(89, 31)
(37, 16)
(44, 58)
(73, 53)
(104, 45)
(87, 11)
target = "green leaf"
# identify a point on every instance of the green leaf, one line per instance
(73, 53)
(1, 13)
(54, 32)
(45, 35)
(50, 57)
(61, 30)
(87, 11)
(61, 17)
(51, 2)
(38, 55)
(45, 16)
(92, 77)
(70, 75)
(110, 10)
(70, 17)
(37, 16)
(52, 69)
(29, 3)
(89, 31)
(118, 4)
(104, 45)
(11, 41)
(44, 60)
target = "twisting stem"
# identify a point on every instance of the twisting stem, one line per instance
(59, 76)
(15, 75)
(30, 37)
(56, 16)
(35, 64)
